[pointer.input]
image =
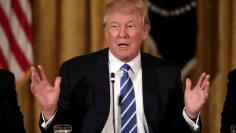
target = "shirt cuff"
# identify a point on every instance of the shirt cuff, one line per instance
(45, 123)
(194, 125)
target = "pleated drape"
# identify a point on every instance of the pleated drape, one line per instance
(216, 54)
(62, 29)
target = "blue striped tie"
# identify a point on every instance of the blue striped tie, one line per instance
(128, 105)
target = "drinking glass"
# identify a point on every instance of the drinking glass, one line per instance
(233, 128)
(62, 128)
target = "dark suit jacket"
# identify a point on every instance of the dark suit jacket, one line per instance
(11, 119)
(229, 111)
(85, 98)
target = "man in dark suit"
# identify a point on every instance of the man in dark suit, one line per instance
(229, 111)
(11, 119)
(85, 97)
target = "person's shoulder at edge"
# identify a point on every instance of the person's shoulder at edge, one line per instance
(5, 72)
(8, 98)
(232, 75)
(6, 77)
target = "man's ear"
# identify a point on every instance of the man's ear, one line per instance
(146, 32)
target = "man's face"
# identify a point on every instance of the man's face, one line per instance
(125, 33)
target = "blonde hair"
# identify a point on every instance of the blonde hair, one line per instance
(127, 6)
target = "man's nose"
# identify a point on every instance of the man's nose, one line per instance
(123, 32)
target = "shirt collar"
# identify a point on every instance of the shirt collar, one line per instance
(116, 64)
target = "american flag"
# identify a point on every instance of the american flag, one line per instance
(16, 36)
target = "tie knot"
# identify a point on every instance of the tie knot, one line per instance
(125, 67)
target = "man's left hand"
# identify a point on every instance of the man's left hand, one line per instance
(194, 98)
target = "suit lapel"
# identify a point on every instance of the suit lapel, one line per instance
(101, 89)
(151, 101)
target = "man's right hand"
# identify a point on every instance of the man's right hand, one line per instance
(46, 94)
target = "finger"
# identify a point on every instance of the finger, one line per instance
(188, 84)
(205, 81)
(206, 95)
(201, 78)
(34, 76)
(34, 80)
(57, 82)
(206, 87)
(42, 73)
(33, 89)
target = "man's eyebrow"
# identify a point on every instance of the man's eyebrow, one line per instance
(114, 22)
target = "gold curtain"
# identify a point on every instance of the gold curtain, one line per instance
(216, 54)
(63, 29)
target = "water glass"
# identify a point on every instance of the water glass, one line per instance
(62, 128)
(233, 128)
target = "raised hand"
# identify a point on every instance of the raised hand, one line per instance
(194, 98)
(46, 94)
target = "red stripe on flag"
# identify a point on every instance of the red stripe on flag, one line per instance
(20, 57)
(3, 61)
(22, 19)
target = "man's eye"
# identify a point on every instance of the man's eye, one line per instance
(114, 26)
(131, 26)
